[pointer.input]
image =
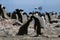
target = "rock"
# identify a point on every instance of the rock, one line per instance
(7, 28)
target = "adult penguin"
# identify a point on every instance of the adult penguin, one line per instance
(37, 26)
(19, 15)
(24, 17)
(1, 11)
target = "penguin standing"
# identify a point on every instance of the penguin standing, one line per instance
(37, 26)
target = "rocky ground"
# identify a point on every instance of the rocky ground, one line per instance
(8, 31)
(29, 38)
